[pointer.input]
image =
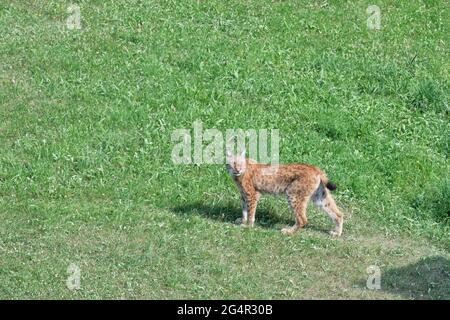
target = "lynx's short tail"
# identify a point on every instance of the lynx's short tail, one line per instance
(327, 183)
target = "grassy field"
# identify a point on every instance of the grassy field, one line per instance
(86, 175)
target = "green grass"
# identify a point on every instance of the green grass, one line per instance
(86, 175)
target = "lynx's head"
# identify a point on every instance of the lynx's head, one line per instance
(236, 164)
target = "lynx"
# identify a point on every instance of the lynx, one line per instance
(300, 183)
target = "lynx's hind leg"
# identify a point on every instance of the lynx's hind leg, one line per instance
(323, 199)
(298, 205)
(298, 195)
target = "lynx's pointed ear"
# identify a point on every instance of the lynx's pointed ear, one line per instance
(243, 153)
(229, 153)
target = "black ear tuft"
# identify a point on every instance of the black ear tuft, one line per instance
(331, 186)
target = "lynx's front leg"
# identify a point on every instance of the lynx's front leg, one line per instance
(244, 209)
(252, 201)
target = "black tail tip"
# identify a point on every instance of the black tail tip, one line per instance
(331, 186)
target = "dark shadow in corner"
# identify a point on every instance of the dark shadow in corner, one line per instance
(428, 278)
(229, 213)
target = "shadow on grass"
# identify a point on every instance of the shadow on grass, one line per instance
(230, 213)
(428, 278)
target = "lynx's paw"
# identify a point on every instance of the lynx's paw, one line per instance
(242, 223)
(335, 234)
(289, 230)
